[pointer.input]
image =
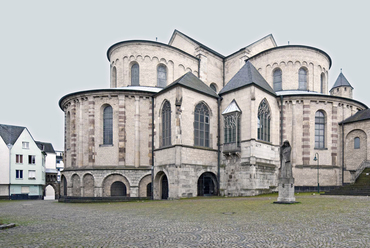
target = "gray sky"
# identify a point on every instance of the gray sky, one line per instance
(49, 48)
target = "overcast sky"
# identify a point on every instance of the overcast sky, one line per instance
(50, 49)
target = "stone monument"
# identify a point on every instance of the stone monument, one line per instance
(286, 180)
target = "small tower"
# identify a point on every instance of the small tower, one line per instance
(342, 87)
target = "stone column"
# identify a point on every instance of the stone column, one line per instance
(137, 131)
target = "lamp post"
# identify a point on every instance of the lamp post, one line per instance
(316, 158)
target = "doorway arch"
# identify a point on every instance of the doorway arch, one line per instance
(118, 189)
(207, 184)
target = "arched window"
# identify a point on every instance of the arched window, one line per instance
(161, 76)
(213, 87)
(201, 125)
(357, 143)
(108, 126)
(319, 129)
(166, 124)
(302, 79)
(263, 121)
(277, 80)
(322, 83)
(135, 75)
(114, 77)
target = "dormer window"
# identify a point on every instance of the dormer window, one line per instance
(25, 145)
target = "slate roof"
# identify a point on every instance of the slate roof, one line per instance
(247, 75)
(341, 81)
(10, 134)
(190, 81)
(46, 147)
(359, 116)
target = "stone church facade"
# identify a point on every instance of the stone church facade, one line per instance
(182, 120)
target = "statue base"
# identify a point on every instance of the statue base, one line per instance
(286, 191)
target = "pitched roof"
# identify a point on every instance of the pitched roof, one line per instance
(233, 107)
(359, 116)
(10, 134)
(189, 80)
(247, 75)
(198, 43)
(46, 147)
(341, 81)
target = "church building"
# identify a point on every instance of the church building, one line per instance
(182, 120)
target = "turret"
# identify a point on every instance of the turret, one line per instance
(342, 87)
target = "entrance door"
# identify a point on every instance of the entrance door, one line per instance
(118, 189)
(207, 185)
(164, 183)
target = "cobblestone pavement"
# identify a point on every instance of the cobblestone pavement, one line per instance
(318, 221)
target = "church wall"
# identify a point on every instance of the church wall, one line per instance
(299, 130)
(290, 60)
(354, 157)
(342, 91)
(149, 55)
(211, 68)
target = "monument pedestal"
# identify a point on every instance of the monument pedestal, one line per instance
(286, 191)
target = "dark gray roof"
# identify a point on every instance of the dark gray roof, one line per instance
(247, 75)
(359, 116)
(10, 134)
(200, 44)
(341, 81)
(189, 80)
(46, 147)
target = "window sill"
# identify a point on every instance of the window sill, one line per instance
(322, 149)
(105, 145)
(31, 178)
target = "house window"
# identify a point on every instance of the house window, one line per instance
(302, 79)
(135, 75)
(319, 129)
(166, 124)
(357, 143)
(161, 76)
(201, 125)
(232, 128)
(31, 174)
(25, 145)
(108, 126)
(263, 121)
(19, 159)
(31, 159)
(19, 174)
(277, 80)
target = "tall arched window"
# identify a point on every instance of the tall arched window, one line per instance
(277, 80)
(135, 74)
(201, 125)
(302, 79)
(114, 77)
(108, 126)
(322, 83)
(264, 119)
(319, 129)
(357, 143)
(161, 76)
(166, 124)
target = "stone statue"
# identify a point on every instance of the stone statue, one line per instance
(286, 165)
(286, 180)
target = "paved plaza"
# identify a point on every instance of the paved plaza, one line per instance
(318, 221)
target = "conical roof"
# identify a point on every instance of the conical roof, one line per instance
(341, 81)
(247, 75)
